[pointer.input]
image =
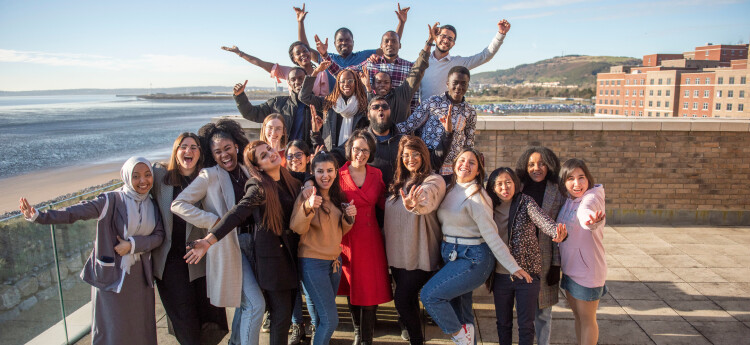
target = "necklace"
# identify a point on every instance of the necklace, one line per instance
(239, 175)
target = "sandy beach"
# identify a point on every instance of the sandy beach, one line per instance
(45, 185)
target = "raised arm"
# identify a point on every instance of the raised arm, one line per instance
(301, 35)
(488, 53)
(401, 15)
(255, 113)
(306, 93)
(84, 210)
(414, 78)
(249, 58)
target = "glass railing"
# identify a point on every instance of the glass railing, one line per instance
(42, 298)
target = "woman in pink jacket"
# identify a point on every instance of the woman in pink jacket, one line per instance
(583, 263)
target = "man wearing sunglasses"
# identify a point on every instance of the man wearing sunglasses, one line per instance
(441, 61)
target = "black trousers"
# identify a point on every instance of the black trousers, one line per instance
(280, 305)
(406, 299)
(186, 303)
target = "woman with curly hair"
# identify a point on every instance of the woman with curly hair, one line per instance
(300, 54)
(217, 188)
(344, 110)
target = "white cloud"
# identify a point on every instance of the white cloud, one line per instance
(536, 15)
(532, 4)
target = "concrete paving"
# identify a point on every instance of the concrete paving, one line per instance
(668, 285)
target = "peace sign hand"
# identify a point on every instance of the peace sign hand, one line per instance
(447, 120)
(239, 88)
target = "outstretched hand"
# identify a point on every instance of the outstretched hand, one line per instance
(402, 13)
(239, 88)
(412, 198)
(595, 218)
(321, 47)
(503, 26)
(27, 210)
(232, 49)
(322, 67)
(561, 233)
(300, 13)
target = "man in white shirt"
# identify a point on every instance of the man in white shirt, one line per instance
(435, 77)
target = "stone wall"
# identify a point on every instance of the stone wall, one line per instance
(671, 171)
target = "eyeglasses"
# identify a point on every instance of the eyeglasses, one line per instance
(346, 81)
(448, 38)
(413, 155)
(357, 150)
(383, 106)
(298, 155)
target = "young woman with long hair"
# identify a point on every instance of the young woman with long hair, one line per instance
(182, 287)
(584, 265)
(519, 221)
(119, 267)
(322, 220)
(470, 240)
(364, 266)
(217, 188)
(273, 132)
(412, 230)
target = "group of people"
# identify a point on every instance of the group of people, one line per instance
(363, 178)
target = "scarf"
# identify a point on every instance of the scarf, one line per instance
(140, 210)
(347, 111)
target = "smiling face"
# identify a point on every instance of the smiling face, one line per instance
(344, 43)
(504, 187)
(412, 160)
(187, 155)
(225, 153)
(267, 159)
(325, 175)
(382, 83)
(445, 40)
(466, 167)
(346, 83)
(390, 44)
(142, 179)
(576, 183)
(458, 84)
(274, 131)
(295, 79)
(301, 55)
(296, 159)
(360, 153)
(536, 168)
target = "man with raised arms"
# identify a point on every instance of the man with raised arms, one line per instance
(441, 61)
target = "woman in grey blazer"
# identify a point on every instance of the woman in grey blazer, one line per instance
(229, 277)
(182, 287)
(119, 268)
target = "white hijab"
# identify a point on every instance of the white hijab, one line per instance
(347, 110)
(140, 210)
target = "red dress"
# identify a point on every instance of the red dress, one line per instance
(363, 263)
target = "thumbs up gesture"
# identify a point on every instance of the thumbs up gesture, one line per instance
(314, 201)
(350, 209)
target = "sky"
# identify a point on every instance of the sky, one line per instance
(139, 44)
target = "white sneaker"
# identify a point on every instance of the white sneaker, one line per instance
(469, 332)
(465, 336)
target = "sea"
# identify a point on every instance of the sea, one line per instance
(46, 132)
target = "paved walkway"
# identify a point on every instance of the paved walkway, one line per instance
(668, 285)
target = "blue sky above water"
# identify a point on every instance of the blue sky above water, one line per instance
(104, 44)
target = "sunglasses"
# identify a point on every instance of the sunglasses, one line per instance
(383, 106)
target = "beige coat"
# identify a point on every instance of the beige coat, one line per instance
(162, 194)
(213, 189)
(412, 237)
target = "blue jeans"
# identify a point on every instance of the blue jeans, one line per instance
(543, 325)
(297, 312)
(249, 316)
(447, 295)
(321, 284)
(526, 296)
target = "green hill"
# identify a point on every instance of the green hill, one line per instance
(578, 70)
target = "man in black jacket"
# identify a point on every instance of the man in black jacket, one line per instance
(296, 114)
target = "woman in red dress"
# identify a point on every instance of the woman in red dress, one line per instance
(364, 265)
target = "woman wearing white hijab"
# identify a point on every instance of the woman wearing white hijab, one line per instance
(119, 267)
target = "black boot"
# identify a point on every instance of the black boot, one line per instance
(355, 311)
(367, 326)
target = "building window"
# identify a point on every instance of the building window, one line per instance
(618, 83)
(641, 93)
(743, 80)
(720, 80)
(618, 92)
(650, 92)
(640, 113)
(658, 104)
(697, 81)
(668, 92)
(651, 81)
(687, 93)
(601, 92)
(708, 80)
(696, 93)
(669, 81)
(705, 94)
(649, 114)
(640, 103)
(718, 93)
(627, 103)
(659, 81)
(687, 81)
(730, 93)
(601, 102)
(606, 82)
(658, 114)
(705, 106)
(627, 82)
(666, 104)
(729, 106)
(718, 106)
(695, 105)
(601, 83)
(731, 80)
(627, 92)
(658, 92)
(740, 107)
(685, 105)
(617, 112)
(606, 101)
(650, 104)
(617, 102)
(742, 93)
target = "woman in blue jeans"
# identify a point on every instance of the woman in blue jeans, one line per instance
(322, 220)
(470, 241)
(518, 220)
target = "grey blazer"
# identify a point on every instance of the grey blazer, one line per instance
(162, 194)
(102, 269)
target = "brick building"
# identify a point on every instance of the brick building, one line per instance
(710, 81)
